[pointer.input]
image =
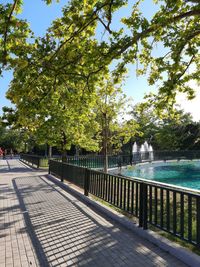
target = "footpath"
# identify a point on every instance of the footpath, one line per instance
(43, 225)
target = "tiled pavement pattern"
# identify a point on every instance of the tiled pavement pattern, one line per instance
(16, 248)
(42, 225)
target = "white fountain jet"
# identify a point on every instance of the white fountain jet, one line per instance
(135, 153)
(135, 148)
(151, 157)
(150, 148)
(142, 152)
(142, 148)
(146, 146)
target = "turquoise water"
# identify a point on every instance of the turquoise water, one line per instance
(186, 174)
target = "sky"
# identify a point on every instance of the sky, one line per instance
(40, 16)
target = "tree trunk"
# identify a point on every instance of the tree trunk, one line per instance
(106, 161)
(105, 151)
(25, 147)
(50, 152)
(64, 155)
(46, 148)
(105, 141)
(64, 152)
(77, 150)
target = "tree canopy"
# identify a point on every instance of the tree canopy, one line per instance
(175, 26)
(177, 131)
(56, 76)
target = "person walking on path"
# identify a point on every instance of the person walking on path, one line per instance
(4, 154)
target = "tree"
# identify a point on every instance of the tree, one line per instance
(9, 117)
(110, 109)
(171, 133)
(10, 139)
(190, 136)
(14, 34)
(13, 135)
(51, 96)
(175, 25)
(166, 132)
(56, 76)
(147, 121)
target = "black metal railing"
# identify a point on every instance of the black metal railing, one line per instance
(171, 155)
(98, 161)
(168, 208)
(37, 161)
(71, 173)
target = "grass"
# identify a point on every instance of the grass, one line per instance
(107, 204)
(176, 240)
(44, 163)
(153, 228)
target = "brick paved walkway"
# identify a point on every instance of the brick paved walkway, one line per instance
(42, 225)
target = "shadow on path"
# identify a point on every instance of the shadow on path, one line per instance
(16, 166)
(30, 229)
(65, 234)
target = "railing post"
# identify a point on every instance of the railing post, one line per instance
(145, 211)
(49, 171)
(62, 171)
(198, 220)
(86, 182)
(141, 206)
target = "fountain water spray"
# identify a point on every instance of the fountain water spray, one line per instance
(151, 153)
(146, 146)
(142, 151)
(135, 148)
(145, 152)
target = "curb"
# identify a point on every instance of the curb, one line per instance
(174, 249)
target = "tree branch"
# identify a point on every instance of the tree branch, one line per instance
(195, 12)
(105, 26)
(184, 71)
(6, 30)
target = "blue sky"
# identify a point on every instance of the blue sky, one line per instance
(39, 15)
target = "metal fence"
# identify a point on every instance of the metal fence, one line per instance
(170, 155)
(98, 161)
(34, 160)
(167, 208)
